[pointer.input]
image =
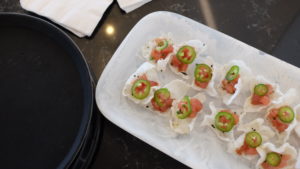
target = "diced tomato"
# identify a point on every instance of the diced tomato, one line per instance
(186, 54)
(229, 86)
(167, 103)
(202, 85)
(270, 89)
(162, 96)
(284, 161)
(223, 119)
(156, 54)
(181, 67)
(235, 116)
(181, 106)
(175, 62)
(273, 117)
(204, 72)
(193, 114)
(152, 83)
(196, 107)
(140, 88)
(273, 113)
(245, 149)
(251, 151)
(255, 100)
(265, 100)
(165, 52)
(262, 100)
(226, 110)
(144, 77)
(230, 89)
(195, 104)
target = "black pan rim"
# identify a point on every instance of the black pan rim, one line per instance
(86, 118)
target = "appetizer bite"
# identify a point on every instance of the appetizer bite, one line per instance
(282, 121)
(204, 75)
(158, 51)
(222, 122)
(141, 85)
(263, 93)
(281, 116)
(235, 75)
(185, 112)
(185, 56)
(231, 79)
(163, 98)
(271, 157)
(254, 135)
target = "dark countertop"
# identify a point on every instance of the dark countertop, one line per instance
(259, 23)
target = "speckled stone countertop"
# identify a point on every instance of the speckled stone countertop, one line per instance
(259, 23)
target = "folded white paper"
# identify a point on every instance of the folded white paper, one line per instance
(130, 5)
(298, 161)
(79, 16)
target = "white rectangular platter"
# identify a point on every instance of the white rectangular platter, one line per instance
(201, 148)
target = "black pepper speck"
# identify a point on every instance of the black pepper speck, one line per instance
(184, 73)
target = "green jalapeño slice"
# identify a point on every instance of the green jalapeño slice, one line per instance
(286, 114)
(233, 73)
(186, 54)
(161, 45)
(253, 139)
(273, 159)
(224, 121)
(140, 89)
(203, 73)
(185, 108)
(261, 89)
(160, 95)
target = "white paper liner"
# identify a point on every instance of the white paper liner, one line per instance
(184, 126)
(161, 64)
(245, 74)
(177, 89)
(275, 97)
(148, 69)
(255, 125)
(209, 120)
(297, 128)
(199, 46)
(289, 99)
(298, 160)
(210, 90)
(286, 149)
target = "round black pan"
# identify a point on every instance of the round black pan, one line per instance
(46, 95)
